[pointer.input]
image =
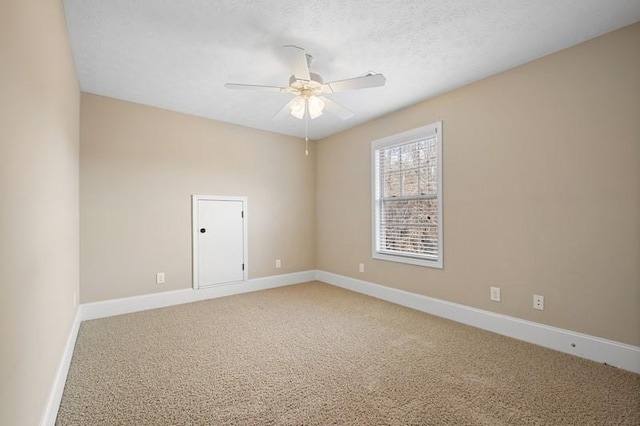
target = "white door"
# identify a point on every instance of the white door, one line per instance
(219, 236)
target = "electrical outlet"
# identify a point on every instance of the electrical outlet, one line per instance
(160, 278)
(361, 268)
(495, 294)
(278, 263)
(538, 302)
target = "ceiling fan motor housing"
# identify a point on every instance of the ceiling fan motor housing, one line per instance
(306, 88)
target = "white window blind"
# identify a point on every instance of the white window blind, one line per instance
(407, 207)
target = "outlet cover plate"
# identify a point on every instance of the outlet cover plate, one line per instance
(495, 294)
(538, 302)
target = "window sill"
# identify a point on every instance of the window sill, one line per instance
(409, 260)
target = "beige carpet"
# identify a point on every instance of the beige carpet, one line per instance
(314, 354)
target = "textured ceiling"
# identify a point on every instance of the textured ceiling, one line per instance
(178, 54)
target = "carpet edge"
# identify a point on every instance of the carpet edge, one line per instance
(112, 307)
(617, 354)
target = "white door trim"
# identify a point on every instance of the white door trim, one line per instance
(194, 233)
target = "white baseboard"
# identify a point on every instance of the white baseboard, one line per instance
(594, 348)
(617, 354)
(144, 302)
(55, 396)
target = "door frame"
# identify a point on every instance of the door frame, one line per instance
(194, 236)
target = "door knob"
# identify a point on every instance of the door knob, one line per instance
(202, 230)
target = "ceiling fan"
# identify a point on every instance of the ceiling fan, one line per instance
(309, 89)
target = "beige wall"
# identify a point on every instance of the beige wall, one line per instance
(139, 167)
(39, 109)
(542, 194)
(541, 191)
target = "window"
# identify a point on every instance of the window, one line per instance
(407, 196)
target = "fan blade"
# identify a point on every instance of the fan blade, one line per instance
(371, 80)
(300, 63)
(336, 109)
(255, 87)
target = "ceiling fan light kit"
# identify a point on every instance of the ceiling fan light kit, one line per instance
(308, 88)
(297, 105)
(315, 105)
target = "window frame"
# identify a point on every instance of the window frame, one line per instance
(413, 135)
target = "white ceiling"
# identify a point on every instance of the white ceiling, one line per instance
(177, 54)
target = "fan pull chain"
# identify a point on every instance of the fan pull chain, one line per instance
(306, 132)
